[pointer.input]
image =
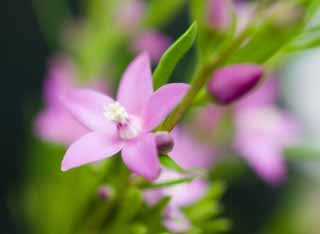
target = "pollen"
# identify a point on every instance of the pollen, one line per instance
(116, 112)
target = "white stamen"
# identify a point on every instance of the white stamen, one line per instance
(117, 113)
(128, 126)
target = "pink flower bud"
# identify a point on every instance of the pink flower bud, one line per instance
(104, 192)
(220, 14)
(164, 142)
(231, 83)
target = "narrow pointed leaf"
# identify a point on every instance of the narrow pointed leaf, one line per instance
(169, 163)
(167, 183)
(173, 55)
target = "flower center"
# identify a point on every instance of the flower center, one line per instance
(116, 113)
(128, 126)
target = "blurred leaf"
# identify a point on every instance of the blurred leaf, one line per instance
(217, 226)
(161, 205)
(173, 55)
(148, 185)
(130, 206)
(169, 163)
(197, 7)
(161, 11)
(302, 153)
(153, 216)
(51, 17)
(265, 43)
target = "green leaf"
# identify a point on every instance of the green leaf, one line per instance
(302, 153)
(130, 206)
(161, 205)
(173, 55)
(265, 43)
(167, 183)
(169, 163)
(161, 11)
(217, 226)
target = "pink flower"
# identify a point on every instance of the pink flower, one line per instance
(130, 15)
(124, 125)
(51, 123)
(153, 42)
(190, 154)
(261, 136)
(220, 14)
(263, 131)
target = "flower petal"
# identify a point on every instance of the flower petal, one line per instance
(141, 156)
(136, 85)
(90, 148)
(161, 103)
(87, 106)
(266, 160)
(59, 80)
(51, 124)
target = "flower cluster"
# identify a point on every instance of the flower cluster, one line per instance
(168, 138)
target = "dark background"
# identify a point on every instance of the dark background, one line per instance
(23, 58)
(24, 53)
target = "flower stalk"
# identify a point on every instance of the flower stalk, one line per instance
(201, 77)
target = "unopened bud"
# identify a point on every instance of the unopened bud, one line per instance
(104, 192)
(220, 14)
(164, 142)
(230, 83)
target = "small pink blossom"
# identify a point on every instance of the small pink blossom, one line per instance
(130, 15)
(124, 125)
(189, 153)
(263, 131)
(220, 13)
(51, 123)
(155, 43)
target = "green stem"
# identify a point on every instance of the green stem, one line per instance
(201, 77)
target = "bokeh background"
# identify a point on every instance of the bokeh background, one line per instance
(254, 206)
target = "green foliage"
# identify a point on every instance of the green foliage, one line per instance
(169, 163)
(169, 183)
(173, 55)
(302, 152)
(265, 42)
(161, 12)
(205, 213)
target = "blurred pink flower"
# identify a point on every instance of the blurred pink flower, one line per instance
(130, 15)
(245, 11)
(263, 131)
(190, 154)
(261, 136)
(155, 43)
(54, 123)
(220, 13)
(125, 124)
